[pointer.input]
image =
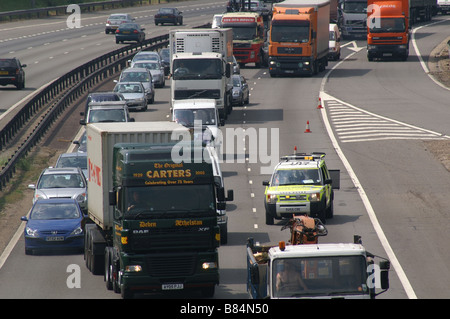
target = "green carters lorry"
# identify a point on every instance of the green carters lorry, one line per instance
(157, 228)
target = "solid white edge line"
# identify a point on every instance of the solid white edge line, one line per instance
(422, 62)
(373, 218)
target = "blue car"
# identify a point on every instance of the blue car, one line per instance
(54, 224)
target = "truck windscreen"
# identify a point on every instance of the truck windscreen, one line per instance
(388, 25)
(290, 33)
(326, 275)
(197, 69)
(169, 199)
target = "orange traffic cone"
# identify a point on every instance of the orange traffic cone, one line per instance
(307, 128)
(320, 104)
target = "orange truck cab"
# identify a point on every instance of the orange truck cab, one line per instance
(388, 29)
(299, 37)
(248, 36)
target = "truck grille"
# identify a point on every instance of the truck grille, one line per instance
(242, 45)
(171, 266)
(387, 40)
(289, 50)
(170, 238)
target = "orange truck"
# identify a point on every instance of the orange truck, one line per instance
(299, 33)
(388, 29)
(248, 36)
(389, 23)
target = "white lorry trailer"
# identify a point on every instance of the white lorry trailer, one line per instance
(201, 64)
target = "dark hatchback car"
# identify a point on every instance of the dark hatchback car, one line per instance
(130, 32)
(168, 15)
(11, 72)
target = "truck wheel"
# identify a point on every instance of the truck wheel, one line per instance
(108, 269)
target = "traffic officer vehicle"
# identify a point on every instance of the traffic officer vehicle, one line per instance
(301, 184)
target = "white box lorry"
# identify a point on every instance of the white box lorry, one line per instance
(201, 64)
(322, 271)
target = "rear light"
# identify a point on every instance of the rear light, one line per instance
(108, 22)
(17, 71)
(135, 31)
(117, 31)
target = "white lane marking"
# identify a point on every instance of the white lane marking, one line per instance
(371, 213)
(422, 62)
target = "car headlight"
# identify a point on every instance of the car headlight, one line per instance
(81, 197)
(77, 231)
(271, 198)
(31, 232)
(314, 197)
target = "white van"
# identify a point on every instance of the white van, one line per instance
(334, 52)
(187, 112)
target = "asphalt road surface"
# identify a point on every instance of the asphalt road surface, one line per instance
(393, 191)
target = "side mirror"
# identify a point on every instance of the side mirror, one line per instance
(230, 195)
(132, 119)
(228, 70)
(265, 183)
(82, 122)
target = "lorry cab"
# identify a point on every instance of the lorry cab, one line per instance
(334, 52)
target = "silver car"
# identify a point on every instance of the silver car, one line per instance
(76, 159)
(146, 55)
(140, 75)
(116, 19)
(134, 94)
(155, 68)
(61, 183)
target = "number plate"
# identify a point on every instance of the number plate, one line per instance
(293, 209)
(387, 54)
(172, 286)
(55, 238)
(3, 72)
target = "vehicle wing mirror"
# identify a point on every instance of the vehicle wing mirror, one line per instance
(265, 183)
(228, 70)
(230, 195)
